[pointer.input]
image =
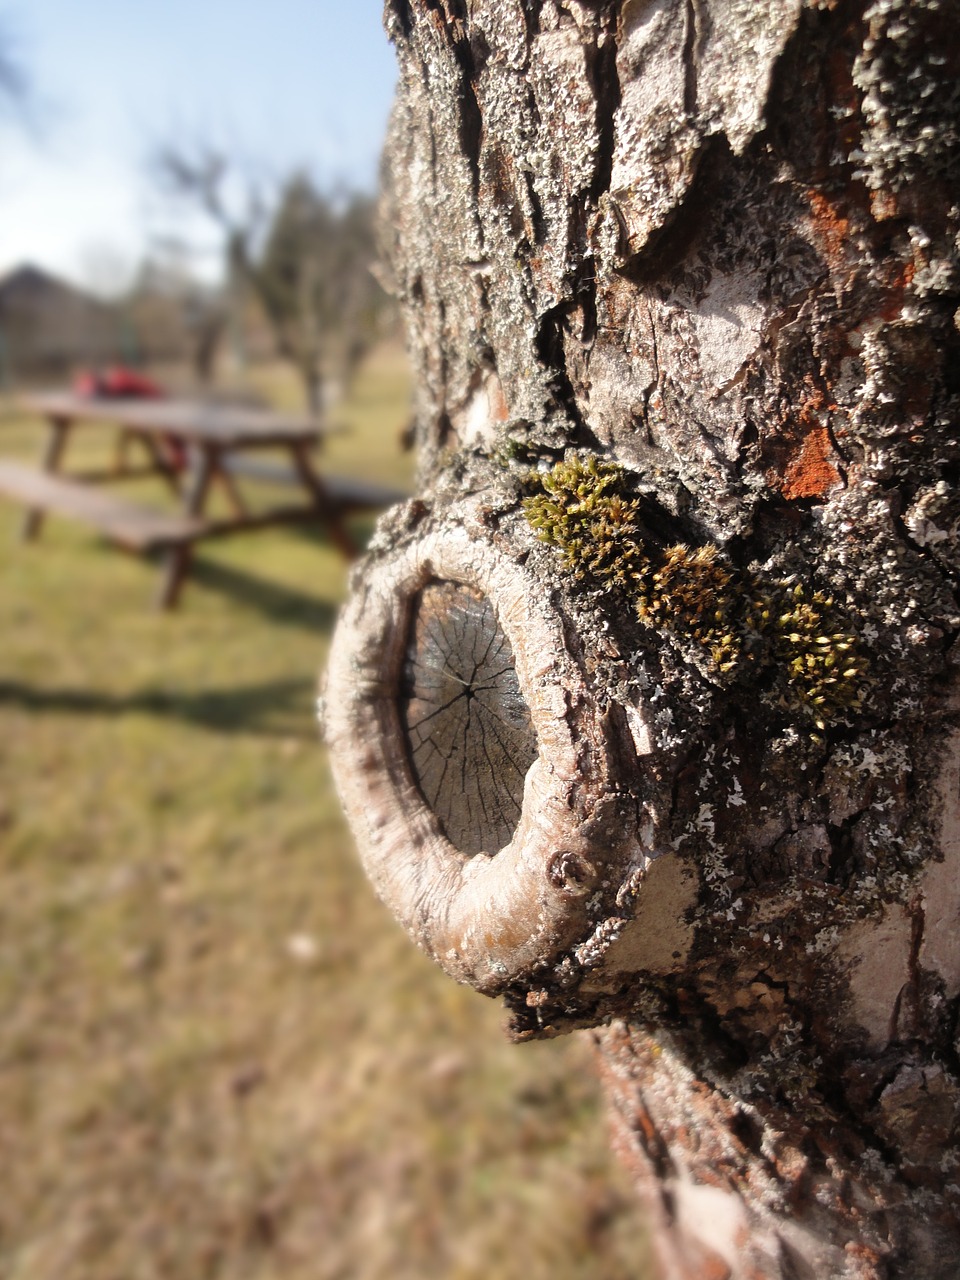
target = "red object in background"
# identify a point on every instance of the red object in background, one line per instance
(123, 383)
(117, 381)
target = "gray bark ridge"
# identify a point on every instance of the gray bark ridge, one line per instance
(681, 283)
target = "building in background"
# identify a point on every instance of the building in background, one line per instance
(49, 327)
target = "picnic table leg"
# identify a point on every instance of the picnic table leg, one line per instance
(327, 507)
(161, 464)
(56, 440)
(234, 496)
(179, 557)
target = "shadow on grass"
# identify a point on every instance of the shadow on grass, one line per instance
(360, 528)
(274, 709)
(280, 603)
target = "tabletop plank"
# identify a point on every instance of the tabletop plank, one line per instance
(228, 426)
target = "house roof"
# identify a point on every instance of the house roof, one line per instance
(28, 282)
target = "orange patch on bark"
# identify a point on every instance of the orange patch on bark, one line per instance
(830, 227)
(899, 277)
(499, 410)
(802, 461)
(810, 473)
(710, 1266)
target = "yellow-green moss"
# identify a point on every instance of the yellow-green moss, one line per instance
(692, 592)
(824, 665)
(584, 512)
(584, 509)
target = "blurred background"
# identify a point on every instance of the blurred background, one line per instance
(219, 1057)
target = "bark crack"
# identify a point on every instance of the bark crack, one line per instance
(401, 11)
(601, 61)
(692, 52)
(550, 352)
(470, 51)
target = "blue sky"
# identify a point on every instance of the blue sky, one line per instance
(279, 83)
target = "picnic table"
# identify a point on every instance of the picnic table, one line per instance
(191, 446)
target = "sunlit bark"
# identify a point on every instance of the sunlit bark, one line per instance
(712, 245)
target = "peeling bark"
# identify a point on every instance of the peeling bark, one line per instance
(695, 263)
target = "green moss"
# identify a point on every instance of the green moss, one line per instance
(584, 510)
(692, 593)
(824, 665)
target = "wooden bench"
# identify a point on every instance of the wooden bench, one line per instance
(345, 492)
(216, 443)
(135, 527)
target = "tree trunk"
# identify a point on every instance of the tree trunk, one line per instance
(645, 711)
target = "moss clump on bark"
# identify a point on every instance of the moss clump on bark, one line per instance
(583, 508)
(584, 511)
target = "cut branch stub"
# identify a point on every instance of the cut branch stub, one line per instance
(470, 757)
(467, 725)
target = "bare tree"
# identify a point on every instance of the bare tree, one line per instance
(303, 254)
(172, 314)
(645, 711)
(199, 177)
(314, 281)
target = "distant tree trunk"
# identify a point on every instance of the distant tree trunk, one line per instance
(207, 335)
(311, 380)
(645, 711)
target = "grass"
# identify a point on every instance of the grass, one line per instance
(221, 1059)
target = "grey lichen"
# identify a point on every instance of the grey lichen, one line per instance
(909, 92)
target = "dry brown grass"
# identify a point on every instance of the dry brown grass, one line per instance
(220, 1058)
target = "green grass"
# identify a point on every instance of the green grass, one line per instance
(220, 1058)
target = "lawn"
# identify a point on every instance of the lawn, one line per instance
(220, 1057)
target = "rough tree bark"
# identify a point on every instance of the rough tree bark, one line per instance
(645, 711)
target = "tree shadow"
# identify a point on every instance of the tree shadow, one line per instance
(360, 526)
(278, 602)
(274, 709)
